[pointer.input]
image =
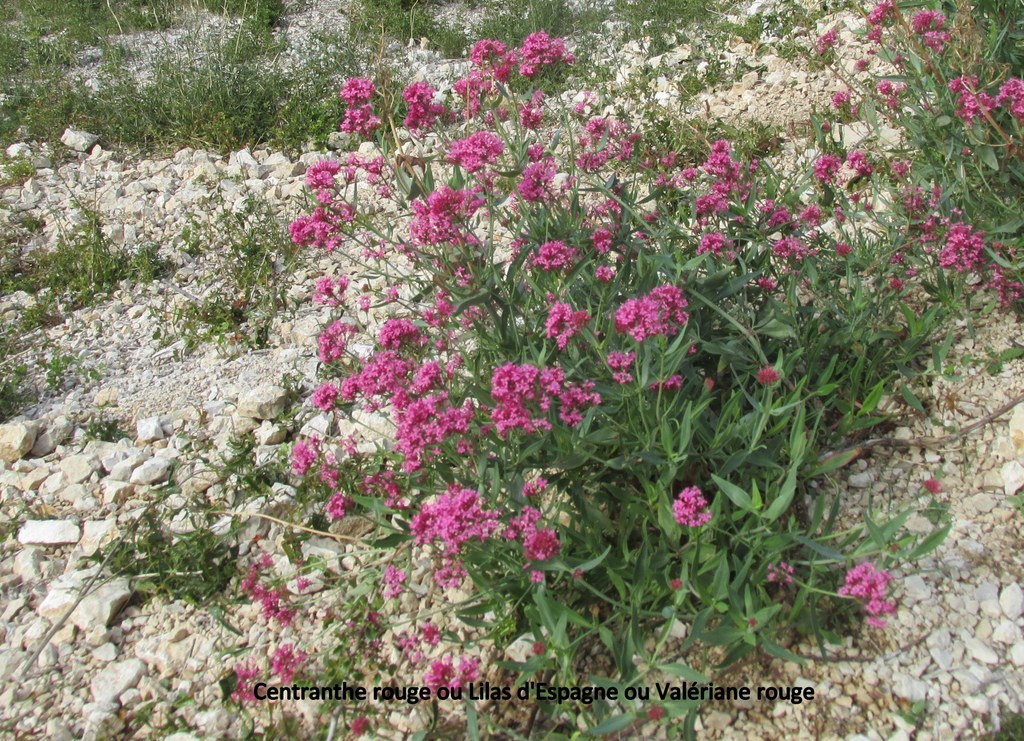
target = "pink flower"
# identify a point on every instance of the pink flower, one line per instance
(360, 120)
(534, 488)
(333, 341)
(536, 183)
(928, 25)
(359, 725)
(971, 105)
(563, 323)
(304, 455)
(621, 363)
(493, 57)
(287, 660)
(691, 508)
(422, 111)
(552, 256)
(1012, 93)
(858, 161)
(442, 673)
(541, 544)
(826, 168)
(767, 376)
(661, 312)
(712, 242)
(244, 674)
(841, 99)
(330, 291)
(441, 217)
(325, 397)
(964, 250)
(394, 578)
(456, 517)
(338, 506)
(430, 633)
(869, 585)
(602, 240)
(357, 90)
(538, 51)
(321, 174)
(783, 573)
(672, 383)
(398, 332)
(827, 40)
(476, 152)
(933, 486)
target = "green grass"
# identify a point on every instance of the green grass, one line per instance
(249, 248)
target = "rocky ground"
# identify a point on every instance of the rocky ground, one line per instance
(82, 657)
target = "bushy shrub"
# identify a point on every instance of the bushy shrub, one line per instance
(612, 372)
(952, 86)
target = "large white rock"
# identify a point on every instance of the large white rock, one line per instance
(1017, 429)
(57, 432)
(16, 440)
(152, 471)
(80, 141)
(49, 532)
(117, 678)
(262, 402)
(78, 468)
(149, 429)
(98, 608)
(1013, 477)
(1012, 601)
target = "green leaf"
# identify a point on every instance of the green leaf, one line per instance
(930, 543)
(911, 399)
(987, 155)
(738, 497)
(684, 672)
(785, 498)
(612, 725)
(833, 462)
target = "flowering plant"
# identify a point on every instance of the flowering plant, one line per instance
(958, 107)
(610, 373)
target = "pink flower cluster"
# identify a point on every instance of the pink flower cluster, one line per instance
(554, 256)
(476, 151)
(274, 601)
(442, 673)
(826, 41)
(442, 217)
(454, 519)
(661, 312)
(869, 585)
(539, 51)
(782, 574)
(394, 579)
(691, 508)
(286, 661)
(357, 92)
(524, 395)
(964, 249)
(620, 363)
(396, 333)
(333, 341)
(422, 112)
(971, 104)
(330, 291)
(605, 139)
(928, 25)
(537, 183)
(563, 323)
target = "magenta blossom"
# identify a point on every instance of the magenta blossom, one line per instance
(691, 508)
